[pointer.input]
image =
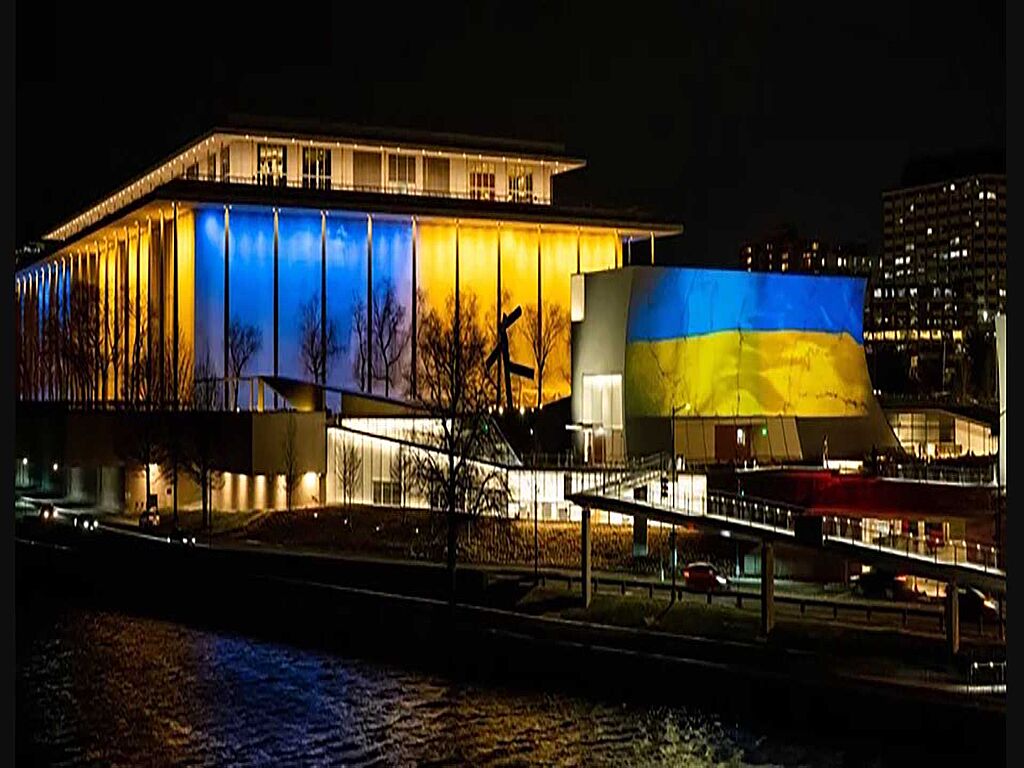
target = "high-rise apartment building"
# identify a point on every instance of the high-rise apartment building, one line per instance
(940, 279)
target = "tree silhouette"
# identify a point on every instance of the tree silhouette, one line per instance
(244, 342)
(455, 472)
(390, 336)
(544, 331)
(319, 343)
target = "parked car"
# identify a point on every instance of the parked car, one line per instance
(703, 577)
(86, 522)
(885, 585)
(975, 605)
(149, 519)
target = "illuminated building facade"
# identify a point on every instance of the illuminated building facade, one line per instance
(788, 251)
(259, 227)
(941, 276)
(722, 366)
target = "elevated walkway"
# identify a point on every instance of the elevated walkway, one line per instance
(640, 493)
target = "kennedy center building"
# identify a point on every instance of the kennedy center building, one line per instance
(252, 226)
(261, 228)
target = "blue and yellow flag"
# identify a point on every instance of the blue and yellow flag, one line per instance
(723, 343)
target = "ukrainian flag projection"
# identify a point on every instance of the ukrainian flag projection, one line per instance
(745, 344)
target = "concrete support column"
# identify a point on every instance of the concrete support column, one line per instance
(111, 491)
(228, 387)
(586, 588)
(767, 588)
(368, 372)
(952, 617)
(81, 484)
(639, 536)
(276, 303)
(414, 315)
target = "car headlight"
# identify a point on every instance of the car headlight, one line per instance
(721, 580)
(991, 605)
(193, 539)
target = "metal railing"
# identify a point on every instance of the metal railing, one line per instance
(962, 553)
(782, 518)
(903, 610)
(931, 472)
(326, 183)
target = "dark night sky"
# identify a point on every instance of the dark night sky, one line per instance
(732, 118)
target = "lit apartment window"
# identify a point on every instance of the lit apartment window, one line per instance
(401, 172)
(211, 166)
(316, 168)
(225, 163)
(481, 181)
(520, 184)
(271, 164)
(366, 170)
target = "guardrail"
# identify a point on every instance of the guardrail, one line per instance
(868, 534)
(983, 557)
(904, 611)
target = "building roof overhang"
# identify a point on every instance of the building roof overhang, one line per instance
(630, 224)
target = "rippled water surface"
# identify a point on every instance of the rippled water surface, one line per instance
(104, 688)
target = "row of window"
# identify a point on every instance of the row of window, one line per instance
(271, 170)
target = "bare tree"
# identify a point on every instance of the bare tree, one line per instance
(360, 368)
(291, 459)
(244, 342)
(455, 471)
(200, 445)
(544, 331)
(319, 343)
(390, 335)
(348, 469)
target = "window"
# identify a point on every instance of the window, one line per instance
(211, 166)
(402, 172)
(192, 171)
(225, 163)
(520, 184)
(366, 170)
(271, 164)
(316, 168)
(602, 400)
(437, 175)
(576, 298)
(481, 181)
(387, 492)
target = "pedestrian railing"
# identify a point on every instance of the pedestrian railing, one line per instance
(782, 519)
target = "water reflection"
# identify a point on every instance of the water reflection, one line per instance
(102, 688)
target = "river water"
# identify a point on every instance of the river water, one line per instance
(96, 687)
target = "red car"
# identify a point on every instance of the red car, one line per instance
(704, 577)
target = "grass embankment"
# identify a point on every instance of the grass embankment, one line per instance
(421, 535)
